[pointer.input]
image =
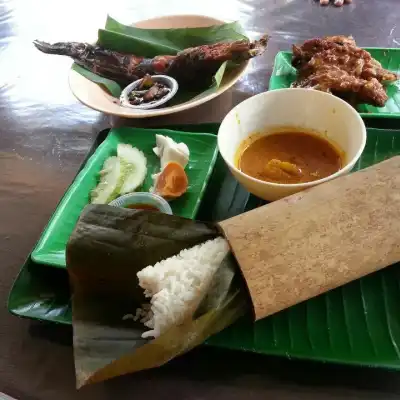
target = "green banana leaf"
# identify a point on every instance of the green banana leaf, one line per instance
(110, 86)
(152, 42)
(105, 252)
(155, 42)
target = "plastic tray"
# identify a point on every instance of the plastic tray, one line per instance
(284, 75)
(50, 249)
(356, 324)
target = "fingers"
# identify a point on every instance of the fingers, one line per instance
(337, 3)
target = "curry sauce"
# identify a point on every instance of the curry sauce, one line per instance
(289, 158)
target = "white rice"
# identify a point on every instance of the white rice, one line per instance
(177, 285)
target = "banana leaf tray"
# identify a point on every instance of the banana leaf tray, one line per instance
(283, 75)
(356, 324)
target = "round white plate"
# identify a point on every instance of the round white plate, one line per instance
(93, 96)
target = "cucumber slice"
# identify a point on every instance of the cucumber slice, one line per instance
(134, 165)
(121, 174)
(108, 165)
(111, 180)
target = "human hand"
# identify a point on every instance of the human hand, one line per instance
(337, 3)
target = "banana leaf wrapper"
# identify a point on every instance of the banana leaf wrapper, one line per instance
(105, 252)
(153, 42)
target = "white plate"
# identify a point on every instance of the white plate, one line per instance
(92, 95)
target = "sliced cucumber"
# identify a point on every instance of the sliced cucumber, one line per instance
(111, 180)
(121, 174)
(108, 165)
(134, 165)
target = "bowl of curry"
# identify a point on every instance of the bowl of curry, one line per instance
(281, 142)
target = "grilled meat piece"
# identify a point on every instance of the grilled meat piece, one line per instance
(335, 64)
(193, 66)
(303, 54)
(342, 84)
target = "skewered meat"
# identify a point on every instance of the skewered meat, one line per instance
(193, 66)
(335, 64)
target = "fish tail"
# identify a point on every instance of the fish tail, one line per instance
(71, 49)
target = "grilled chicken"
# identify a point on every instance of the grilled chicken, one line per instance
(335, 64)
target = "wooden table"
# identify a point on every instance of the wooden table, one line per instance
(44, 136)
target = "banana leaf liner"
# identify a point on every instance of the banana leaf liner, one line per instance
(153, 42)
(105, 252)
(288, 251)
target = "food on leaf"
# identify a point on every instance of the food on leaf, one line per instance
(177, 285)
(121, 174)
(186, 67)
(336, 65)
(171, 182)
(105, 253)
(110, 182)
(135, 165)
(168, 150)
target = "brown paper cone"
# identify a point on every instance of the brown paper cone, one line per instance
(314, 241)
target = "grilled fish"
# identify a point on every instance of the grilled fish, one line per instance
(193, 66)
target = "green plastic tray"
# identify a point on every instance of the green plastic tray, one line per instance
(50, 249)
(284, 75)
(356, 324)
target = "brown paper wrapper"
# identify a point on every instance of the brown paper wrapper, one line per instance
(314, 241)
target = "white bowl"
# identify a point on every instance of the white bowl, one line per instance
(168, 81)
(307, 109)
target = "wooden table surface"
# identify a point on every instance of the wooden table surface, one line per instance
(44, 136)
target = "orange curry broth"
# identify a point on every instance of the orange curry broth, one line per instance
(288, 157)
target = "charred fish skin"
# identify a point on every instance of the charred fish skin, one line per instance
(123, 68)
(238, 51)
(192, 66)
(70, 49)
(196, 66)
